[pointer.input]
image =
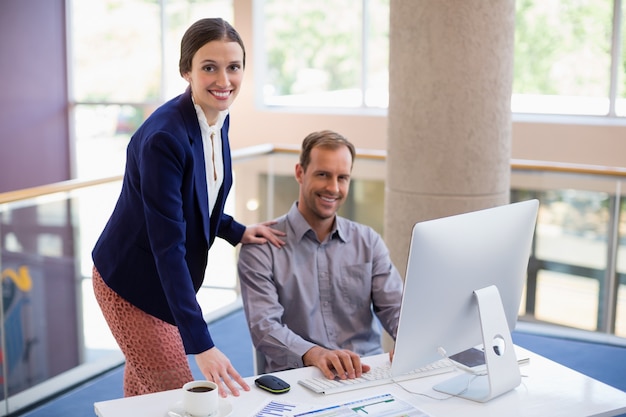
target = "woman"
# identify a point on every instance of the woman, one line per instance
(151, 258)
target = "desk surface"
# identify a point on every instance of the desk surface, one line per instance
(547, 389)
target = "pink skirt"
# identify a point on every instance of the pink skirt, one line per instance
(154, 352)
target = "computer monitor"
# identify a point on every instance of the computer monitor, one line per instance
(457, 266)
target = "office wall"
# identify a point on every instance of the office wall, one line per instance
(577, 142)
(581, 143)
(34, 145)
(595, 141)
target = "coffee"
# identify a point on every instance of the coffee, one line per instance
(200, 398)
(200, 389)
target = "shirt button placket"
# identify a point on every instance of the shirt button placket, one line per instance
(325, 291)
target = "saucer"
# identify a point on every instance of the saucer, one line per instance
(225, 409)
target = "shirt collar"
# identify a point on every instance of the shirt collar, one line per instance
(217, 127)
(300, 226)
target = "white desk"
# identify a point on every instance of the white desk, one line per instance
(549, 389)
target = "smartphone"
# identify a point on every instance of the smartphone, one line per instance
(473, 360)
(470, 360)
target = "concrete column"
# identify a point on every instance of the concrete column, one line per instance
(450, 84)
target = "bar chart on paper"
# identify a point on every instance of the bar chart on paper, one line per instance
(276, 409)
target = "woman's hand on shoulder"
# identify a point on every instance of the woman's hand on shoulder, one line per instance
(216, 367)
(262, 233)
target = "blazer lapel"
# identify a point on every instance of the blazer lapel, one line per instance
(226, 154)
(190, 117)
(200, 184)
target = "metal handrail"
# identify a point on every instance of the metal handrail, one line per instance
(267, 149)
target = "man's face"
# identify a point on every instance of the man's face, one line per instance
(325, 183)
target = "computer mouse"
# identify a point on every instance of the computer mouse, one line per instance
(273, 384)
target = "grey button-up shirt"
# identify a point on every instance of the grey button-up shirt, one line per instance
(311, 293)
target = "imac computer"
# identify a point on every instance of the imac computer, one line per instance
(464, 280)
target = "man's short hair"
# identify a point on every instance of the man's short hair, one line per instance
(323, 139)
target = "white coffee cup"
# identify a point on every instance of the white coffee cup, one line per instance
(201, 398)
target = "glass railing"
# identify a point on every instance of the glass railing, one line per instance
(577, 271)
(54, 336)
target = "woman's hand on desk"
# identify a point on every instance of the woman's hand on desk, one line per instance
(216, 367)
(343, 364)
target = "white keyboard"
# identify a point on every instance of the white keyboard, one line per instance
(376, 376)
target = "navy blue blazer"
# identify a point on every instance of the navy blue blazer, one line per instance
(154, 248)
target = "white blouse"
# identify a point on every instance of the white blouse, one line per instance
(213, 158)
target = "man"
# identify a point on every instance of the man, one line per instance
(312, 302)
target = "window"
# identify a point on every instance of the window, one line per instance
(124, 63)
(619, 62)
(563, 55)
(325, 53)
(568, 60)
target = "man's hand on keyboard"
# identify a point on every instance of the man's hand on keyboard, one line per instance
(342, 364)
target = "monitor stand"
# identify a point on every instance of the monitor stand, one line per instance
(502, 373)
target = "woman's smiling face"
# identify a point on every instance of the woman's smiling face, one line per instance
(216, 76)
